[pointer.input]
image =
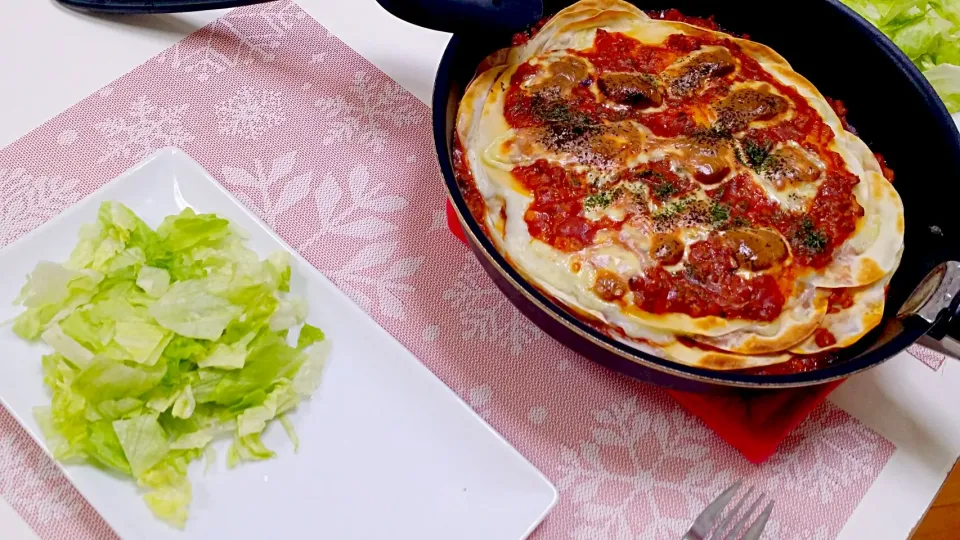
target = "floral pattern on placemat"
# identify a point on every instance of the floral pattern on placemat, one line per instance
(339, 160)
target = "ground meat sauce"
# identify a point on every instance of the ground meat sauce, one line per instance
(555, 214)
(839, 300)
(708, 282)
(521, 38)
(823, 338)
(797, 364)
(709, 270)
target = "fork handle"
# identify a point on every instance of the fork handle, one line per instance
(154, 6)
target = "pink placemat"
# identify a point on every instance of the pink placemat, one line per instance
(339, 160)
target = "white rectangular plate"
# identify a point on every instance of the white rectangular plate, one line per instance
(386, 450)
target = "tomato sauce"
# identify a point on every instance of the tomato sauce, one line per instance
(554, 216)
(797, 364)
(618, 52)
(664, 184)
(887, 171)
(708, 286)
(823, 338)
(747, 201)
(521, 38)
(839, 300)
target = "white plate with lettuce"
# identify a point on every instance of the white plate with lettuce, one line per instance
(201, 380)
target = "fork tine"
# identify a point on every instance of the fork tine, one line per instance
(718, 532)
(708, 518)
(755, 530)
(735, 531)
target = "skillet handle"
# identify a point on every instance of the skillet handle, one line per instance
(467, 16)
(129, 7)
(936, 303)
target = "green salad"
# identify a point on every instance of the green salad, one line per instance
(928, 32)
(164, 340)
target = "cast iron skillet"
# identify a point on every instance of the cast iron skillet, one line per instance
(893, 109)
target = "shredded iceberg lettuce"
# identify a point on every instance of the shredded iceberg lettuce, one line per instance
(928, 31)
(162, 341)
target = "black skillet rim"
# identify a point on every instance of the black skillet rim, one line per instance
(842, 369)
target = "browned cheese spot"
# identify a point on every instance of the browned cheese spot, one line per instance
(635, 89)
(869, 271)
(790, 166)
(690, 75)
(667, 249)
(691, 214)
(721, 361)
(708, 161)
(613, 143)
(756, 249)
(609, 286)
(563, 74)
(737, 110)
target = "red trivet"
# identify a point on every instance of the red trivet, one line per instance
(754, 422)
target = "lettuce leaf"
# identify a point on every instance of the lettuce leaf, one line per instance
(928, 32)
(190, 309)
(308, 336)
(945, 78)
(162, 342)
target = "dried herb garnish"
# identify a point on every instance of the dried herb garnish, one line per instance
(671, 210)
(650, 173)
(555, 111)
(809, 237)
(637, 191)
(719, 213)
(602, 199)
(566, 128)
(740, 222)
(712, 133)
(756, 155)
(664, 190)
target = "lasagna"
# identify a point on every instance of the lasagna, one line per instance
(681, 188)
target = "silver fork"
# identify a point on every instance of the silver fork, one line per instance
(707, 520)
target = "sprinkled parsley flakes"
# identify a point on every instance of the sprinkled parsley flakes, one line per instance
(664, 190)
(673, 209)
(809, 237)
(756, 155)
(602, 199)
(719, 213)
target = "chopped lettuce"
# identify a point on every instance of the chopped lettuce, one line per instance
(193, 308)
(928, 31)
(153, 281)
(163, 341)
(308, 336)
(143, 441)
(945, 78)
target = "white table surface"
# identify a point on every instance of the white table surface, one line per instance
(54, 57)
